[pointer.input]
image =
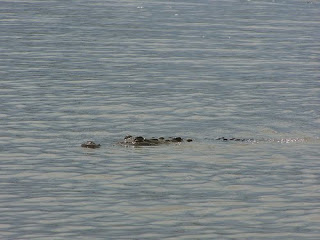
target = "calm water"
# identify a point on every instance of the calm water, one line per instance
(72, 71)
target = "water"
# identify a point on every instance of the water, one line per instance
(73, 71)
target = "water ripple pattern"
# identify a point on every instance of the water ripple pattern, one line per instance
(73, 71)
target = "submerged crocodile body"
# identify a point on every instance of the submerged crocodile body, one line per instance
(141, 141)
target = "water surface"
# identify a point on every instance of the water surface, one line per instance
(73, 71)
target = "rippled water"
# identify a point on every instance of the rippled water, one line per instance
(73, 71)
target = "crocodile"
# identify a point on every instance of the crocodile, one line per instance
(142, 141)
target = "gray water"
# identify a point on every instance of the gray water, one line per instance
(72, 71)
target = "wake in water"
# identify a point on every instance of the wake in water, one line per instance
(271, 140)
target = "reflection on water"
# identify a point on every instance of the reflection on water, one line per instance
(101, 70)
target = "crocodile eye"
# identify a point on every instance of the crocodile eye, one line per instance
(90, 144)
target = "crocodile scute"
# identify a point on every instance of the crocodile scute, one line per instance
(142, 141)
